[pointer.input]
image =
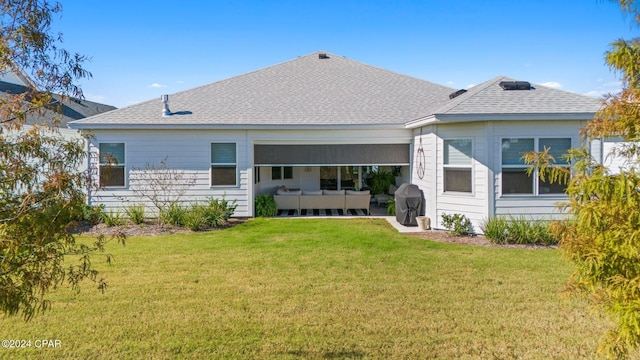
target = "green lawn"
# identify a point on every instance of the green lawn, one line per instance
(314, 288)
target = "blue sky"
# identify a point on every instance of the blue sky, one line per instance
(142, 49)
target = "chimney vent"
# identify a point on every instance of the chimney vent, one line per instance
(165, 103)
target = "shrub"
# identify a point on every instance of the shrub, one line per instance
(113, 218)
(266, 206)
(173, 215)
(217, 212)
(93, 214)
(136, 213)
(519, 230)
(457, 224)
(194, 217)
(495, 230)
(529, 231)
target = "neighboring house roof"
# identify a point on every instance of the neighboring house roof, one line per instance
(15, 75)
(319, 89)
(72, 108)
(489, 101)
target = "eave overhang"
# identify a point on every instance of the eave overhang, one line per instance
(175, 126)
(466, 118)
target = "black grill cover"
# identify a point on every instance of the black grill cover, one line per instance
(408, 204)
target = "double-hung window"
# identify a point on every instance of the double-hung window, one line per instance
(112, 164)
(458, 166)
(224, 164)
(515, 180)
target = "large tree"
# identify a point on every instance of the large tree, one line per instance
(40, 181)
(601, 237)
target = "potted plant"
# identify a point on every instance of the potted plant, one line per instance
(381, 180)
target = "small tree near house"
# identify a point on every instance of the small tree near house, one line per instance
(601, 238)
(160, 185)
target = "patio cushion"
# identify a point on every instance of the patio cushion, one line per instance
(332, 192)
(288, 192)
(354, 192)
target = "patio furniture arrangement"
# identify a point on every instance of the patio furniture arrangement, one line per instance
(322, 199)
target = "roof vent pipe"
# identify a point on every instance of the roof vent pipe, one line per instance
(165, 103)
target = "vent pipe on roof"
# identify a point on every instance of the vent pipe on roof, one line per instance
(165, 103)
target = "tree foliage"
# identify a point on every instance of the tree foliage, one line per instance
(601, 236)
(40, 184)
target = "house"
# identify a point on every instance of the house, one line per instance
(323, 121)
(56, 115)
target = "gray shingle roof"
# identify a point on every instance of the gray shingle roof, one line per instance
(305, 91)
(490, 98)
(72, 109)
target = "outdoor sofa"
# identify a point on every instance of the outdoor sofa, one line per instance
(322, 199)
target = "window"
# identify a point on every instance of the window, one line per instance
(281, 172)
(112, 164)
(223, 164)
(458, 164)
(515, 180)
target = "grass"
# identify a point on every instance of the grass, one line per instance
(315, 288)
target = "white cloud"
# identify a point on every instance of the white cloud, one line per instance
(470, 86)
(157, 86)
(450, 82)
(552, 84)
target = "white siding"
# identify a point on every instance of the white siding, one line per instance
(606, 149)
(474, 205)
(427, 141)
(188, 152)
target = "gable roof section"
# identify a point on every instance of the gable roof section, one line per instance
(308, 91)
(488, 101)
(72, 108)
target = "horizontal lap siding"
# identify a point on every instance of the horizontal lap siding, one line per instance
(438, 202)
(426, 141)
(187, 152)
(539, 208)
(474, 206)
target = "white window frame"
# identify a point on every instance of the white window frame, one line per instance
(117, 165)
(446, 166)
(234, 165)
(535, 181)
